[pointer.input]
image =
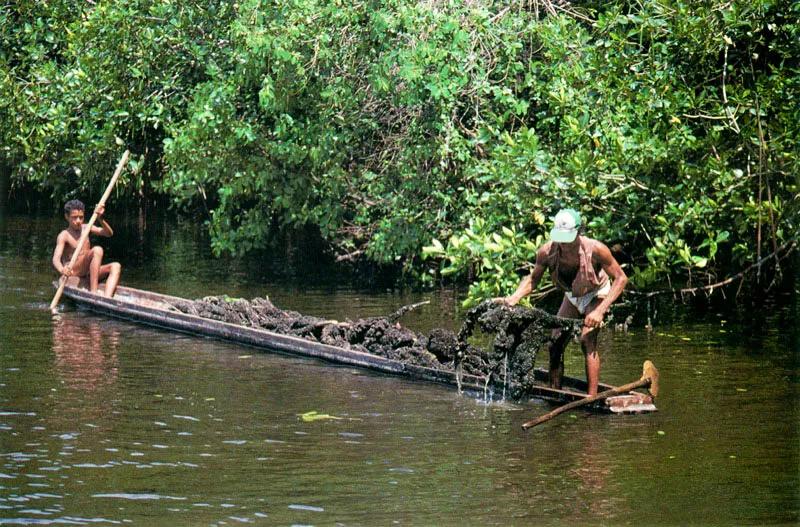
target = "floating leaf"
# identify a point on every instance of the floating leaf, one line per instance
(314, 416)
(662, 433)
(741, 389)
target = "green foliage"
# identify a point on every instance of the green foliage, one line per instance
(494, 257)
(665, 126)
(671, 125)
(80, 79)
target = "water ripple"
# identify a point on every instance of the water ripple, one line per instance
(129, 496)
(187, 417)
(306, 508)
(66, 520)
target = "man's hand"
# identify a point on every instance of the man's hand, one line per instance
(67, 270)
(593, 319)
(100, 210)
(507, 300)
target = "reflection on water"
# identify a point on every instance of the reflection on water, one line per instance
(104, 421)
(85, 353)
(86, 367)
(594, 472)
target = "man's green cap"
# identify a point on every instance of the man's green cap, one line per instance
(565, 226)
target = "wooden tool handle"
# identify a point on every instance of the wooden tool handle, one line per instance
(625, 388)
(85, 233)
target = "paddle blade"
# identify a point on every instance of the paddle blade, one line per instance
(649, 371)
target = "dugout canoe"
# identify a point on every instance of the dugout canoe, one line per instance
(155, 309)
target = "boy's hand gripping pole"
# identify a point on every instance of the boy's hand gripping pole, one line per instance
(85, 233)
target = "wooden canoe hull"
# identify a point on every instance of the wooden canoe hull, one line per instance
(155, 309)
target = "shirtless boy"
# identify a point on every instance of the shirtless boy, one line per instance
(90, 261)
(591, 279)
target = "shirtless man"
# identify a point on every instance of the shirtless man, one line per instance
(90, 261)
(591, 279)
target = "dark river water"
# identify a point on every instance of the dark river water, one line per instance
(104, 421)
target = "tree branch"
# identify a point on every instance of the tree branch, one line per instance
(790, 243)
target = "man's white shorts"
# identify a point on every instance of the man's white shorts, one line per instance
(581, 303)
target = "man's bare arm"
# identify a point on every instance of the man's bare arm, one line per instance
(530, 282)
(618, 277)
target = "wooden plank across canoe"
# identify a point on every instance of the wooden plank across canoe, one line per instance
(155, 309)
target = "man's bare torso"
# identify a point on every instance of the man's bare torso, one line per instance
(568, 266)
(569, 260)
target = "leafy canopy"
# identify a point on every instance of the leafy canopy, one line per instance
(437, 136)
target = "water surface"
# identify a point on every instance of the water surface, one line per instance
(107, 422)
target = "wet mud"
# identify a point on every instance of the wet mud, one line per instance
(518, 334)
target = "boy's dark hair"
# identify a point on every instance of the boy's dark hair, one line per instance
(74, 204)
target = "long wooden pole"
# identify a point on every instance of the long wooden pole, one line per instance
(649, 378)
(85, 233)
(586, 400)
